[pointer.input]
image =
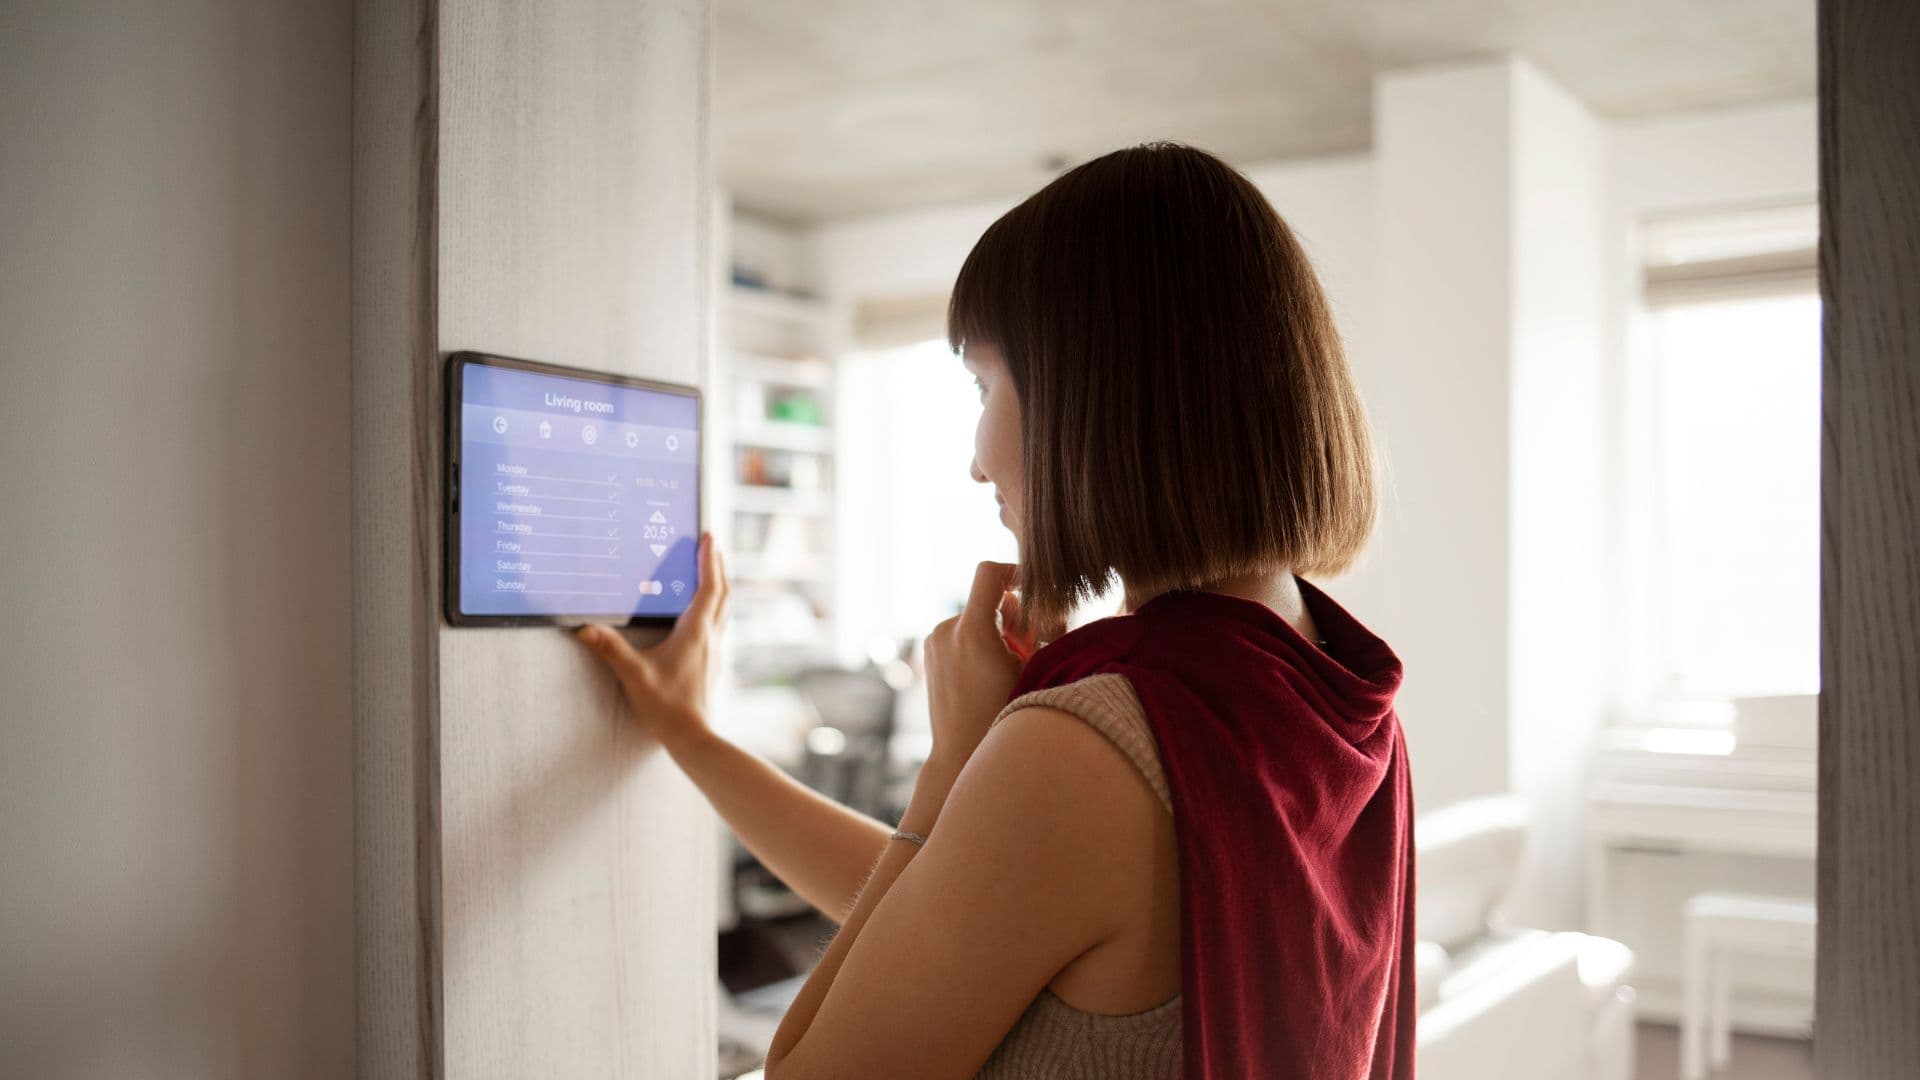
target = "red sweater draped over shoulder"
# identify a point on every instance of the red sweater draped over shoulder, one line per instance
(1293, 809)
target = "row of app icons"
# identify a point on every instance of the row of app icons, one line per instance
(588, 433)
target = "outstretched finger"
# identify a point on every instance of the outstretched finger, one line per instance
(707, 591)
(726, 589)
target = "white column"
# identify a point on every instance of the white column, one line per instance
(1487, 401)
(1444, 172)
(1557, 510)
(531, 181)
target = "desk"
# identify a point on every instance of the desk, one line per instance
(1662, 826)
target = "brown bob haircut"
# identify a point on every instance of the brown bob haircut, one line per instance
(1187, 409)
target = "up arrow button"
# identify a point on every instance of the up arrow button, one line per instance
(657, 517)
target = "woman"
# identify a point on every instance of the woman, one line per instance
(1173, 841)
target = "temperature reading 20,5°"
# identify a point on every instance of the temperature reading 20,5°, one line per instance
(656, 532)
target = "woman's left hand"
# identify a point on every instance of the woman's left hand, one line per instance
(972, 667)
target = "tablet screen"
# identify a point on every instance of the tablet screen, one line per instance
(577, 494)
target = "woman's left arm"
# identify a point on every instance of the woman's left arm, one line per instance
(948, 944)
(921, 813)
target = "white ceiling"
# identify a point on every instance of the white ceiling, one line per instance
(829, 109)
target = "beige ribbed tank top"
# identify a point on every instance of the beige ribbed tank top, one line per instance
(1052, 1040)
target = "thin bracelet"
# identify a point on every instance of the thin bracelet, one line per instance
(899, 834)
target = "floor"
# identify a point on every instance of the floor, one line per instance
(1755, 1057)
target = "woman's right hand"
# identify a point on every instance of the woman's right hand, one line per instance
(665, 684)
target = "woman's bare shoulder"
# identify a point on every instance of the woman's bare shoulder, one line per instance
(1094, 799)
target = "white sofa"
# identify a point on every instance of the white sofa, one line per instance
(1501, 1001)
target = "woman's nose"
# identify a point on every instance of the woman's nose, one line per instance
(974, 468)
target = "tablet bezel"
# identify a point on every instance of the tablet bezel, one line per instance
(450, 504)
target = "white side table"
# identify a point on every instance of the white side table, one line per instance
(1718, 926)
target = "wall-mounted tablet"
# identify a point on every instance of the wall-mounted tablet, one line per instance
(573, 496)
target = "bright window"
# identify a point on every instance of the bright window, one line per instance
(1727, 494)
(915, 523)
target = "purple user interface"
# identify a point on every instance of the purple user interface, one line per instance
(576, 497)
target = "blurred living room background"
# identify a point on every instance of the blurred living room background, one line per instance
(1571, 251)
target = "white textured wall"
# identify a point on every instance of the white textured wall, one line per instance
(576, 862)
(176, 861)
(536, 882)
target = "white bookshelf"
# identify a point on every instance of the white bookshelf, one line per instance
(777, 477)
